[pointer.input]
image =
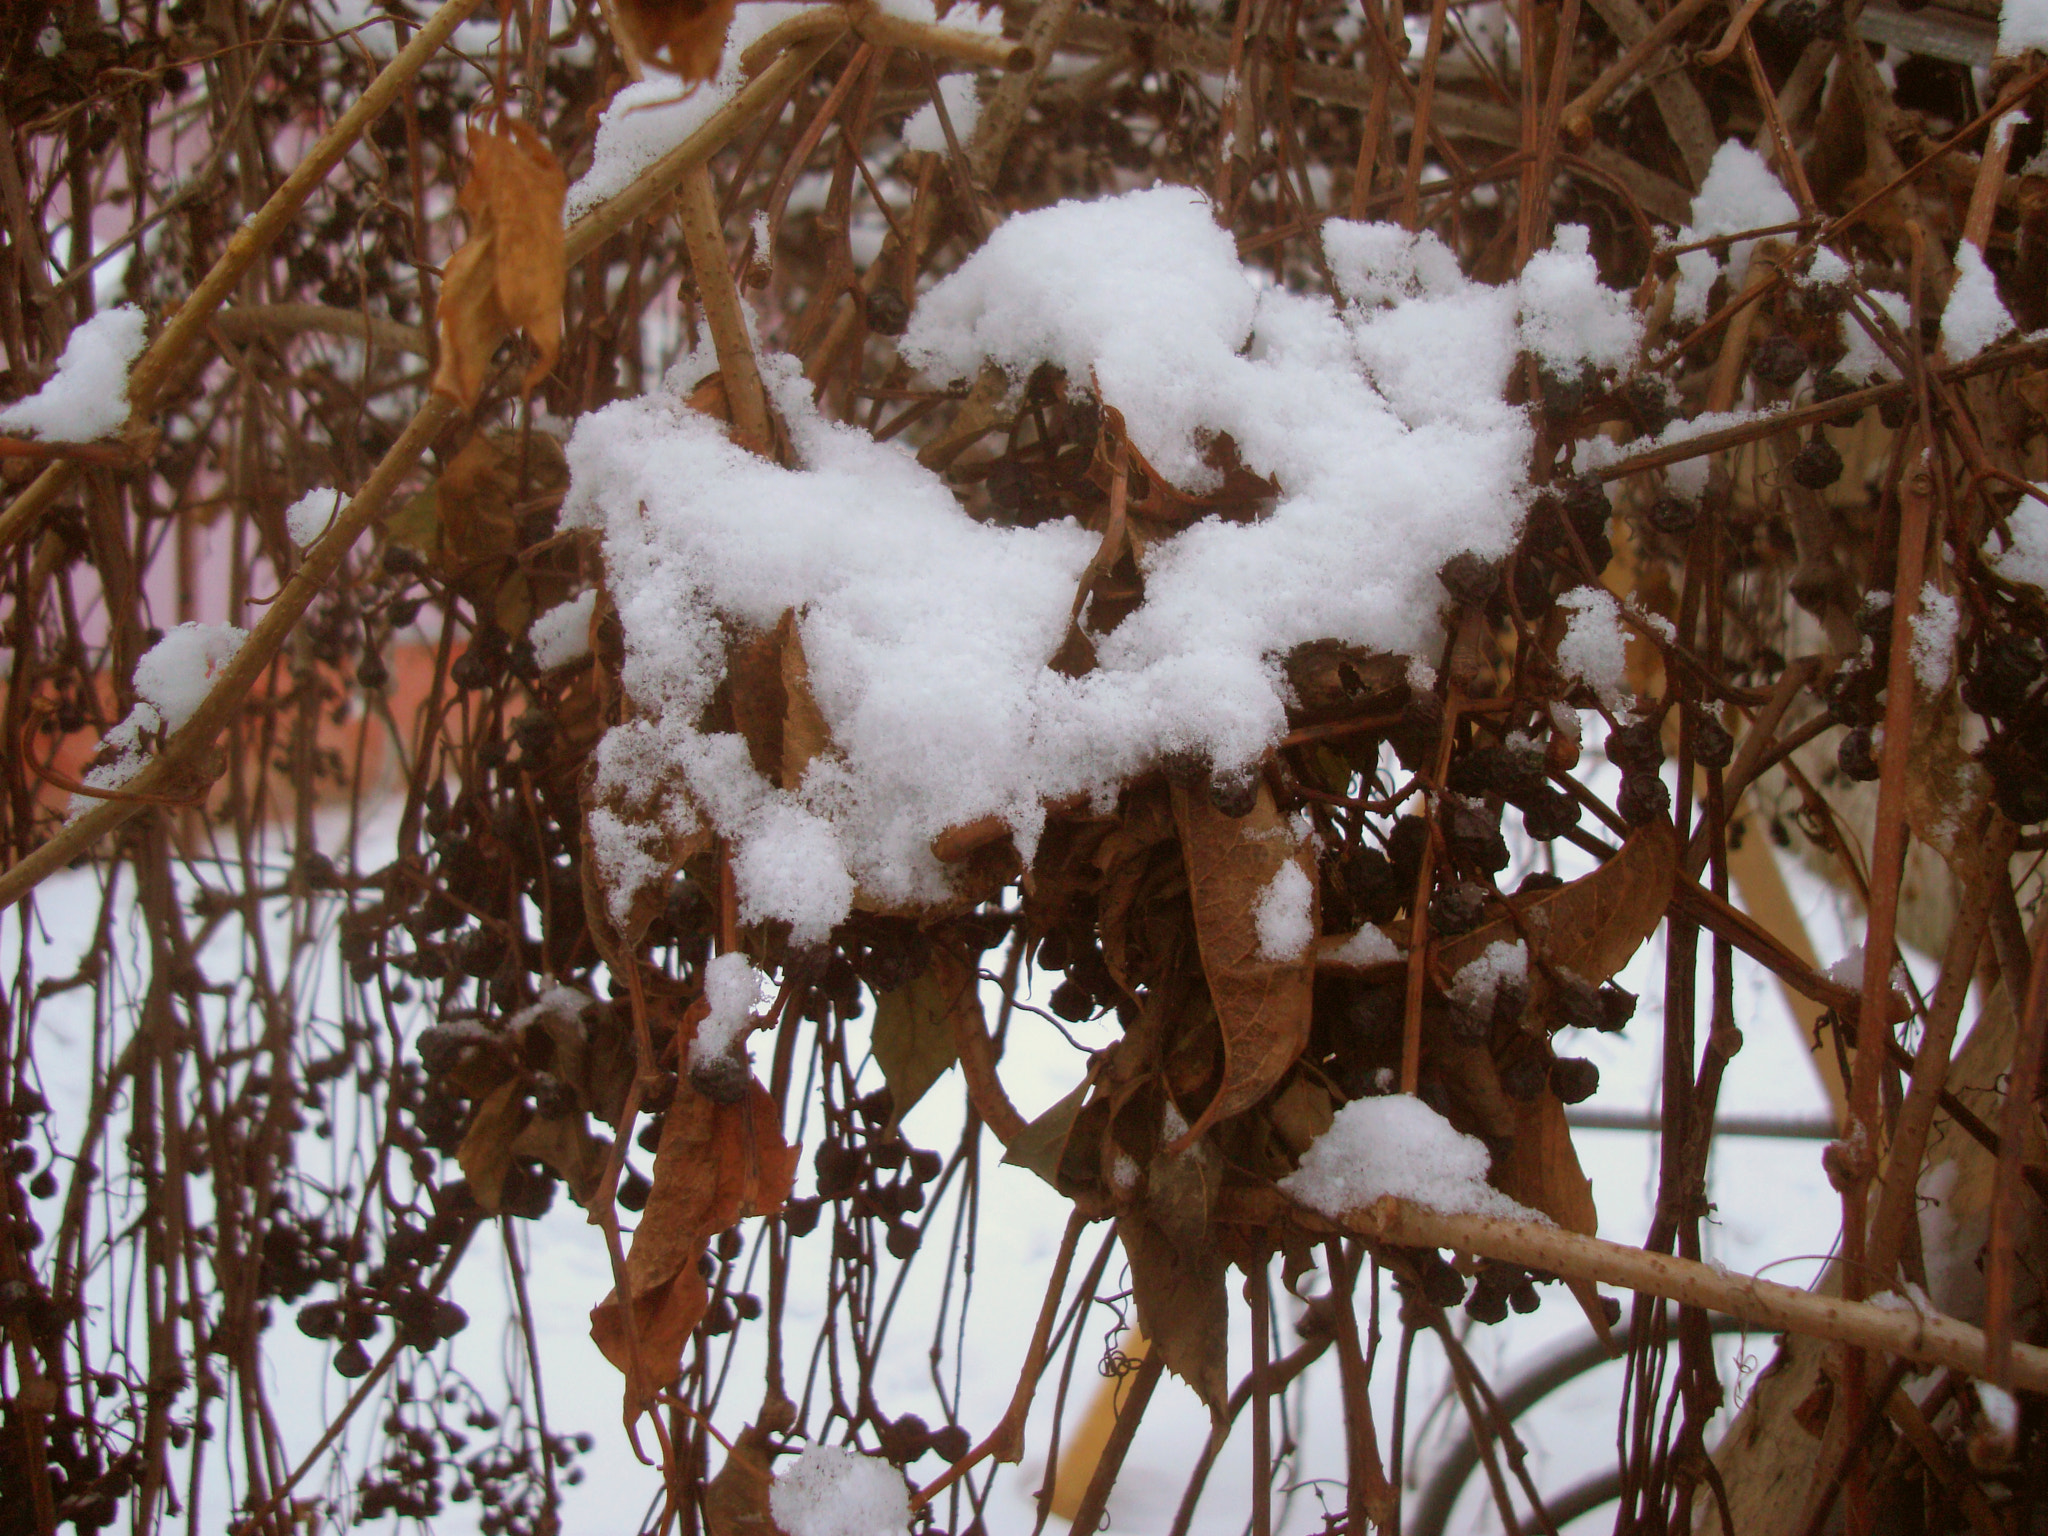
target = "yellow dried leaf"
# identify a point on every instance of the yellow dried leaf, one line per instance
(509, 274)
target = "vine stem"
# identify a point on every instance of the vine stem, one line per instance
(1929, 1338)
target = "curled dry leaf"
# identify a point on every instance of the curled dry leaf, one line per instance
(687, 36)
(1262, 1006)
(509, 274)
(716, 1164)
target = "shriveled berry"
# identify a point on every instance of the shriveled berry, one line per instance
(838, 1169)
(1778, 361)
(1576, 1004)
(1474, 841)
(2020, 787)
(1997, 686)
(634, 1189)
(1234, 794)
(1816, 466)
(1405, 842)
(800, 1217)
(1874, 618)
(1636, 747)
(320, 1319)
(719, 1317)
(1442, 1284)
(1457, 909)
(1617, 1007)
(952, 1443)
(43, 1185)
(747, 1305)
(1644, 797)
(1523, 1298)
(1421, 727)
(1537, 881)
(1851, 696)
(1712, 746)
(887, 313)
(1550, 815)
(352, 1360)
(1072, 1001)
(1372, 885)
(723, 1078)
(1469, 578)
(1574, 1079)
(1486, 1305)
(1895, 411)
(926, 1165)
(1857, 755)
(1832, 386)
(904, 1239)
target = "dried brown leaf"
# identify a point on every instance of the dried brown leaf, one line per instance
(487, 1152)
(686, 35)
(716, 1164)
(913, 1037)
(1178, 1272)
(509, 273)
(1592, 926)
(1262, 1006)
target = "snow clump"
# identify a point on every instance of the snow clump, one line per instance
(1740, 193)
(832, 1491)
(308, 517)
(927, 634)
(562, 634)
(2026, 562)
(1398, 1145)
(1595, 646)
(171, 680)
(732, 991)
(1285, 914)
(1974, 316)
(87, 397)
(924, 131)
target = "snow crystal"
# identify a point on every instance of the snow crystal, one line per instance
(562, 634)
(1285, 914)
(1740, 193)
(1934, 638)
(963, 107)
(650, 117)
(832, 1491)
(1974, 317)
(1505, 962)
(1368, 946)
(1595, 646)
(1399, 1146)
(927, 634)
(2027, 561)
(307, 518)
(2022, 24)
(177, 672)
(732, 991)
(1865, 358)
(87, 397)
